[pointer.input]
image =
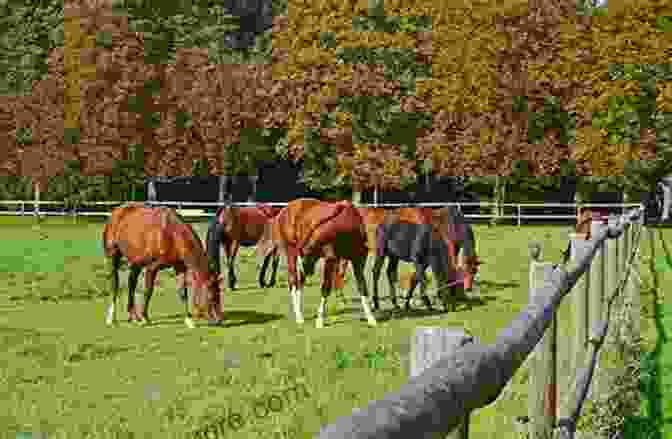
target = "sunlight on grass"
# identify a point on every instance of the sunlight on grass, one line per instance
(66, 374)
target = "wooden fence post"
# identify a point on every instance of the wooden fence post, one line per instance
(579, 307)
(596, 283)
(542, 406)
(632, 291)
(431, 343)
(611, 263)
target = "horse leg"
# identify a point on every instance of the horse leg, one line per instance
(276, 261)
(328, 274)
(293, 281)
(133, 275)
(392, 272)
(150, 277)
(377, 266)
(418, 279)
(113, 267)
(183, 295)
(230, 248)
(358, 265)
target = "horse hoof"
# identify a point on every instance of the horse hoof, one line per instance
(319, 324)
(189, 322)
(300, 322)
(372, 323)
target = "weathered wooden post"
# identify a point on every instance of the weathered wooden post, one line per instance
(429, 344)
(611, 262)
(542, 406)
(596, 287)
(579, 307)
(632, 288)
(253, 195)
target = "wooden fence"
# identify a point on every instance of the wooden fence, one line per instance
(453, 374)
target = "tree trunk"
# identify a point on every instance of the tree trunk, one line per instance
(253, 195)
(37, 191)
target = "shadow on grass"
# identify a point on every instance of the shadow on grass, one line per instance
(488, 286)
(652, 426)
(231, 319)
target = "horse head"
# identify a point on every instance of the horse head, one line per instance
(206, 287)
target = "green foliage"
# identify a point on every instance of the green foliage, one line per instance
(72, 187)
(551, 117)
(28, 32)
(15, 187)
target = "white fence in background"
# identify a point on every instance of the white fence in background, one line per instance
(196, 209)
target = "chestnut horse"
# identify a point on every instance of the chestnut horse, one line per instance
(236, 226)
(155, 238)
(309, 229)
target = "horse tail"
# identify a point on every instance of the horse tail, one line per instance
(381, 232)
(266, 249)
(213, 243)
(469, 241)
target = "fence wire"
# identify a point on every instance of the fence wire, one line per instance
(567, 426)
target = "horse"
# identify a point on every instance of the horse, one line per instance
(583, 226)
(448, 221)
(453, 226)
(233, 227)
(421, 245)
(155, 238)
(309, 229)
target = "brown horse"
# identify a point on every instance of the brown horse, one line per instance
(309, 229)
(236, 226)
(453, 226)
(156, 238)
(448, 222)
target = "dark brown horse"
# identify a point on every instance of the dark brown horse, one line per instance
(453, 226)
(155, 238)
(309, 229)
(236, 226)
(421, 245)
(448, 222)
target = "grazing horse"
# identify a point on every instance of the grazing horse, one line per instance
(583, 225)
(154, 238)
(422, 246)
(452, 225)
(236, 226)
(309, 229)
(448, 221)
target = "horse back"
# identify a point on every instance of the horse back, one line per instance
(148, 233)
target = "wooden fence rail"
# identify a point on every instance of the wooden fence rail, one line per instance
(453, 374)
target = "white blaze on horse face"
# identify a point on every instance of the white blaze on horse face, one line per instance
(319, 323)
(367, 311)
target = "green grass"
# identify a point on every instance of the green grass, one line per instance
(656, 365)
(65, 374)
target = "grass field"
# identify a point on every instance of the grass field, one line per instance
(66, 375)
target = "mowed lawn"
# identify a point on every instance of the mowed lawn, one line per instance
(66, 374)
